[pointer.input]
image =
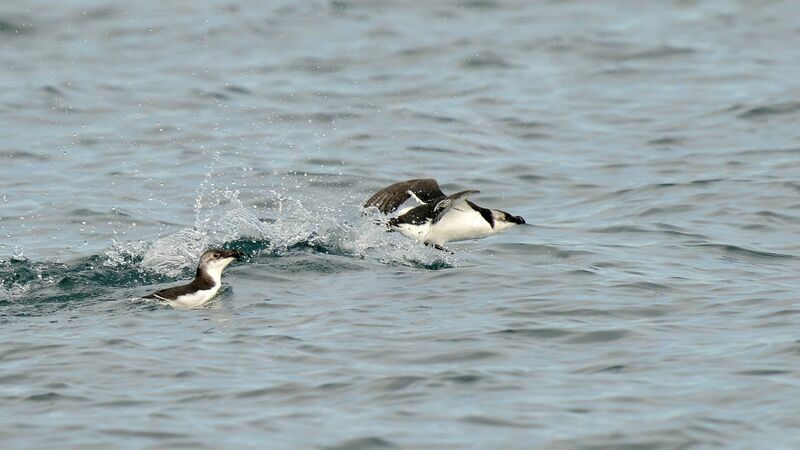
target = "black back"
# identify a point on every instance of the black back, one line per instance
(202, 281)
(391, 197)
(429, 212)
(417, 215)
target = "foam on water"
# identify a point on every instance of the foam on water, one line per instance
(225, 222)
(652, 305)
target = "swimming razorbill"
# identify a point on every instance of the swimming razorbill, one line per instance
(439, 218)
(206, 282)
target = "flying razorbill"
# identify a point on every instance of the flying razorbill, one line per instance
(206, 282)
(439, 218)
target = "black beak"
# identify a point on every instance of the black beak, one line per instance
(518, 220)
(231, 254)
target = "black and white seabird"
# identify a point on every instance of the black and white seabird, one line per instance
(439, 218)
(206, 282)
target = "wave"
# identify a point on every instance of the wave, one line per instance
(296, 228)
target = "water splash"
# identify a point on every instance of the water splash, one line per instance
(223, 221)
(292, 225)
(16, 275)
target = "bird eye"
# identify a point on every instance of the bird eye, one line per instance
(216, 255)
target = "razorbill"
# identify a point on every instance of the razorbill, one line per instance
(439, 218)
(206, 282)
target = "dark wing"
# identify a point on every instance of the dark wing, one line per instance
(390, 198)
(175, 292)
(416, 216)
(457, 200)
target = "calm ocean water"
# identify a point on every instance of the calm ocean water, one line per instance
(652, 302)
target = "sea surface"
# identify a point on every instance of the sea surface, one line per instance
(651, 302)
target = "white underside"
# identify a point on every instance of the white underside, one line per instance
(199, 298)
(460, 223)
(195, 299)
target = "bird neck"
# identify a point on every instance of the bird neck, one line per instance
(209, 276)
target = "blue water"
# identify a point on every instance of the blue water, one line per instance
(651, 302)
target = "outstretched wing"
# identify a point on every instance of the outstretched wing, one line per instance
(457, 200)
(390, 198)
